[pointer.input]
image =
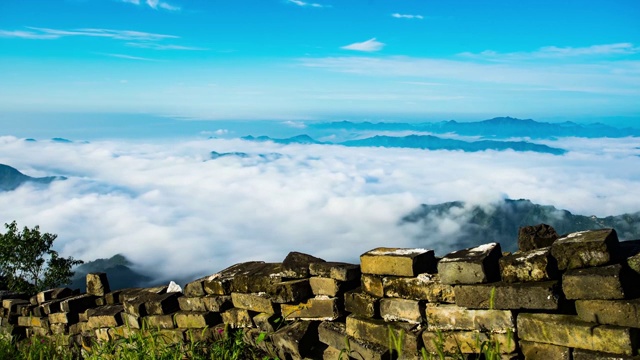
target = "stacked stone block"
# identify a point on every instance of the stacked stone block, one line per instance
(558, 297)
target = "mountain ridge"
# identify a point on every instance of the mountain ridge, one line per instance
(500, 127)
(11, 178)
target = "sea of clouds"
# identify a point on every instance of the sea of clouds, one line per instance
(177, 214)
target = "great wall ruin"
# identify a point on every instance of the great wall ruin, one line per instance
(570, 297)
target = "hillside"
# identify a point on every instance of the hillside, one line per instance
(11, 178)
(118, 268)
(501, 221)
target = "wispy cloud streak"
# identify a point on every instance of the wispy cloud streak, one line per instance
(555, 52)
(370, 45)
(154, 4)
(306, 4)
(407, 16)
(46, 33)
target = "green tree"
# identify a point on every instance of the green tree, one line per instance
(27, 262)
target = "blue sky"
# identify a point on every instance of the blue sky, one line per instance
(322, 59)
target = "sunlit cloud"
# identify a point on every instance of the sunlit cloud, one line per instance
(46, 33)
(370, 45)
(560, 52)
(613, 77)
(26, 35)
(154, 4)
(170, 204)
(306, 4)
(156, 46)
(130, 57)
(407, 16)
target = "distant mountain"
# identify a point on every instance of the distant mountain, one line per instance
(435, 143)
(428, 142)
(500, 127)
(11, 178)
(119, 273)
(500, 222)
(243, 155)
(300, 139)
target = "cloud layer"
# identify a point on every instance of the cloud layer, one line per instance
(178, 215)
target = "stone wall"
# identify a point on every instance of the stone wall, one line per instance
(573, 297)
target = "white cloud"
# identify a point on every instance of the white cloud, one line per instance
(603, 78)
(555, 52)
(407, 16)
(46, 33)
(306, 4)
(370, 45)
(156, 46)
(129, 57)
(295, 124)
(155, 4)
(162, 203)
(26, 34)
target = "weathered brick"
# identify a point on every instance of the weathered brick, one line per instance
(255, 302)
(195, 288)
(63, 318)
(77, 304)
(59, 329)
(361, 303)
(33, 321)
(533, 351)
(569, 331)
(543, 296)
(372, 284)
(411, 311)
(603, 283)
(198, 320)
(466, 342)
(455, 318)
(331, 287)
(536, 237)
(267, 323)
(397, 261)
(296, 265)
(335, 335)
(191, 303)
(610, 312)
(217, 303)
(423, 287)
(318, 308)
(586, 249)
(380, 332)
(105, 316)
(238, 318)
(97, 284)
(580, 354)
(290, 291)
(336, 270)
(131, 321)
(471, 266)
(296, 340)
(162, 304)
(12, 304)
(53, 294)
(259, 277)
(534, 265)
(160, 321)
